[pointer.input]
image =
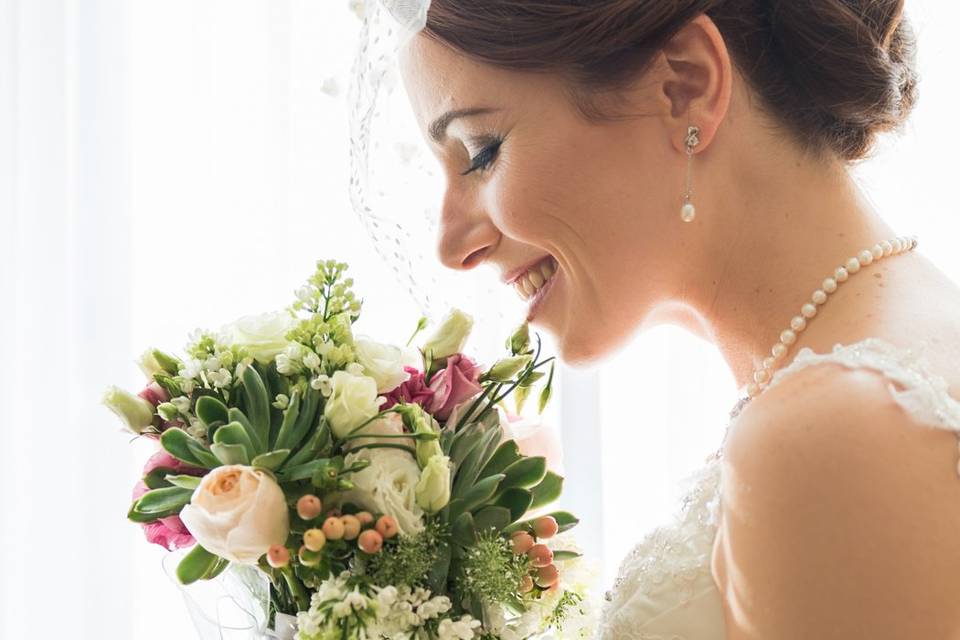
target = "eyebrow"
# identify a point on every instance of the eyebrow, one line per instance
(438, 129)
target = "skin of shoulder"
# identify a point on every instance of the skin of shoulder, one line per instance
(840, 514)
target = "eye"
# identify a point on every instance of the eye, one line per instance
(485, 158)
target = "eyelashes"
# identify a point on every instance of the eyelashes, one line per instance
(485, 158)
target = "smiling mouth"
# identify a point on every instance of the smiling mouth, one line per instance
(535, 278)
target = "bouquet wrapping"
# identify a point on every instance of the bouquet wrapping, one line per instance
(337, 488)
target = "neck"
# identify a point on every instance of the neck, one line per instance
(768, 231)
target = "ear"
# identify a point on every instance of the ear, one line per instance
(697, 81)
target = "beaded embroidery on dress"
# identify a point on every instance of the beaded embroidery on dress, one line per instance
(665, 589)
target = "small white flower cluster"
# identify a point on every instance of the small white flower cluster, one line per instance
(390, 612)
(401, 610)
(297, 358)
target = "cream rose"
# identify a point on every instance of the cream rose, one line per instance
(387, 486)
(451, 336)
(237, 512)
(352, 401)
(264, 335)
(382, 362)
(433, 490)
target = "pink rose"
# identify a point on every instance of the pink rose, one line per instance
(412, 391)
(453, 384)
(154, 394)
(170, 532)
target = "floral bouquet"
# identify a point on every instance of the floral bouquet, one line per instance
(371, 486)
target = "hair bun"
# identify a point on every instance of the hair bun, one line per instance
(850, 65)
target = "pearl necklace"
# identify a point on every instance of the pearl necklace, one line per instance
(763, 375)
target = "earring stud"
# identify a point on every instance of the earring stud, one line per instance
(688, 212)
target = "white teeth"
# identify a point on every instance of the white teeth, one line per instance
(528, 286)
(530, 282)
(547, 269)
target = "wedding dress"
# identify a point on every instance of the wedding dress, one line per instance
(665, 589)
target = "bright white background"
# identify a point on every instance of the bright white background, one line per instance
(168, 165)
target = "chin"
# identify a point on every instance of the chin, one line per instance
(585, 348)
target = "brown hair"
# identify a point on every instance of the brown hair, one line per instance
(833, 72)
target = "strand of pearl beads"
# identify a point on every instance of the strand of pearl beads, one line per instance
(886, 248)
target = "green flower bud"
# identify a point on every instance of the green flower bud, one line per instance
(427, 450)
(450, 337)
(505, 369)
(168, 411)
(136, 413)
(519, 342)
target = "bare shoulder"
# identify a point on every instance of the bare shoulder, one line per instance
(840, 513)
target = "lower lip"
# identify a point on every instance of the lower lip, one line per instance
(537, 301)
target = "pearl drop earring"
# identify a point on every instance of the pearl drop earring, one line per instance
(688, 211)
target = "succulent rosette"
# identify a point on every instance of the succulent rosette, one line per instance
(379, 499)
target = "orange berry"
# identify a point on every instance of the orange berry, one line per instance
(387, 527)
(526, 584)
(522, 542)
(545, 527)
(547, 576)
(370, 541)
(314, 539)
(540, 555)
(333, 528)
(351, 527)
(365, 518)
(309, 507)
(278, 556)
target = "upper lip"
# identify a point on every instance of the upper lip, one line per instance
(514, 274)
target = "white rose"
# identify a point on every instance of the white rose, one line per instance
(389, 425)
(352, 401)
(433, 490)
(264, 335)
(451, 336)
(237, 512)
(382, 362)
(387, 486)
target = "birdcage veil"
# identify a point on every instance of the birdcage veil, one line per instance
(396, 184)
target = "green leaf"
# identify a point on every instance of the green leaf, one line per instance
(566, 521)
(320, 439)
(497, 518)
(477, 495)
(464, 533)
(525, 473)
(506, 454)
(271, 460)
(184, 481)
(307, 417)
(177, 443)
(157, 478)
(466, 474)
(547, 491)
(290, 415)
(197, 565)
(236, 415)
(464, 442)
(517, 501)
(230, 453)
(531, 378)
(520, 396)
(301, 472)
(159, 503)
(258, 406)
(234, 433)
(565, 555)
(210, 411)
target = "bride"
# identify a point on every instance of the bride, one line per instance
(629, 163)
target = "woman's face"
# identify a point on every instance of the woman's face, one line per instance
(579, 211)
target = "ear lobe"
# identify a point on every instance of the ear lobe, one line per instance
(699, 79)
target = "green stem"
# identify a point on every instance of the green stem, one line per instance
(296, 588)
(384, 446)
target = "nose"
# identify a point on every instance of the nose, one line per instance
(466, 232)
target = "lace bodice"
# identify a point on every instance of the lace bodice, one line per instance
(665, 590)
